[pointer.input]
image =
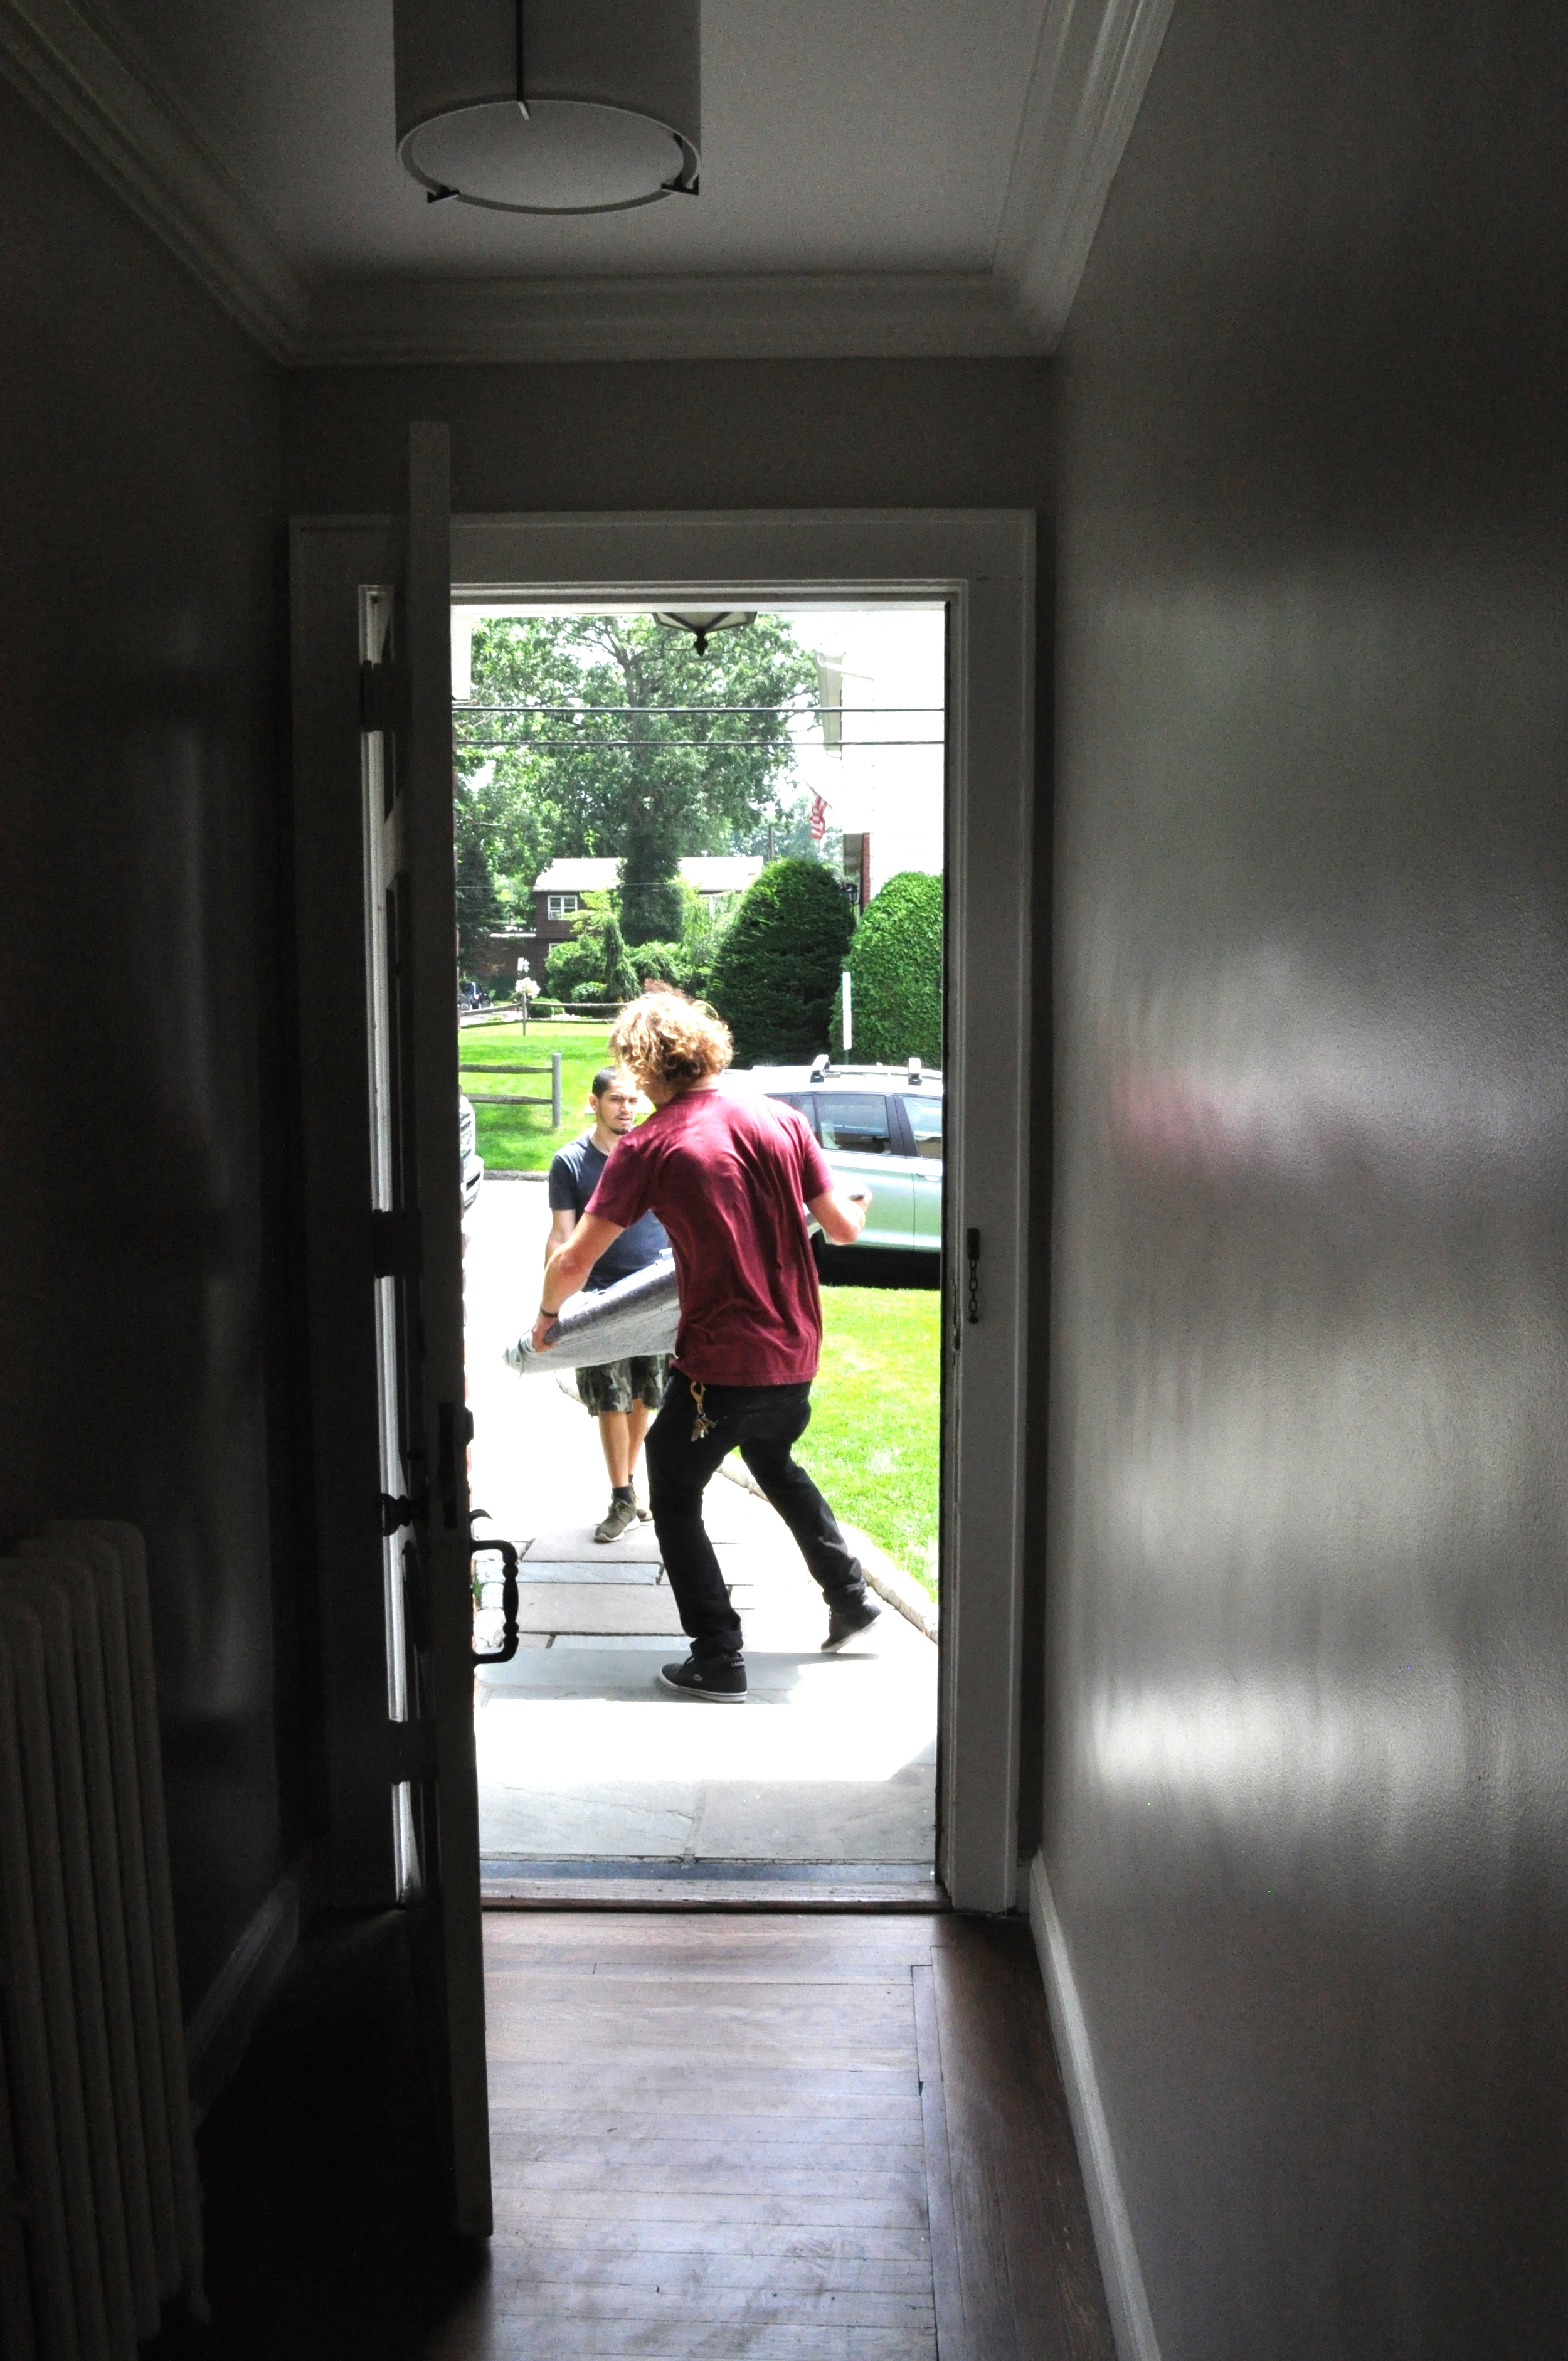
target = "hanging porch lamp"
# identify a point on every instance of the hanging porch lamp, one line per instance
(550, 107)
(703, 622)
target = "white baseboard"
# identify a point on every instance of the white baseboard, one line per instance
(1131, 2320)
(230, 2009)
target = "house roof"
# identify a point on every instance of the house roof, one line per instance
(728, 872)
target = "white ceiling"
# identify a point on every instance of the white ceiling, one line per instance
(838, 134)
(877, 175)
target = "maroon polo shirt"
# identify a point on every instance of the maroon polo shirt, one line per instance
(726, 1175)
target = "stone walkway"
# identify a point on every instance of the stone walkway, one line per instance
(583, 1756)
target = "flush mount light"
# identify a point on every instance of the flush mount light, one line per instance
(703, 622)
(550, 107)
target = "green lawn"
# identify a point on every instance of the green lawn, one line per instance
(876, 1417)
(519, 1139)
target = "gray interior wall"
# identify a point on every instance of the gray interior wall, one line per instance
(678, 435)
(1306, 1788)
(145, 1141)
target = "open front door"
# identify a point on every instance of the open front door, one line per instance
(372, 659)
(430, 1124)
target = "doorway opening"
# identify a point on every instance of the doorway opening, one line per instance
(757, 819)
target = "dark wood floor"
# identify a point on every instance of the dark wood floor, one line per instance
(835, 2138)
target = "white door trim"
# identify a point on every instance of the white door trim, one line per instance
(983, 563)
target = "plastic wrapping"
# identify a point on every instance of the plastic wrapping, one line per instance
(637, 1316)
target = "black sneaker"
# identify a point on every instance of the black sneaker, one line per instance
(848, 1617)
(712, 1680)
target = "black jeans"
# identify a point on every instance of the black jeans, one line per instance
(765, 1422)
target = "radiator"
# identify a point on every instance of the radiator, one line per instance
(99, 2208)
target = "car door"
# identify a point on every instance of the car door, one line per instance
(861, 1145)
(923, 1113)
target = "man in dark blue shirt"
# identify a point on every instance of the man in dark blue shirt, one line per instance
(622, 1395)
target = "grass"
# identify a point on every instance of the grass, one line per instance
(873, 1444)
(520, 1139)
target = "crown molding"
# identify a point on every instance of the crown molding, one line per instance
(86, 77)
(1091, 67)
(91, 85)
(833, 316)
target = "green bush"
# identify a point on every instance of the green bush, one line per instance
(895, 973)
(572, 963)
(776, 973)
(594, 953)
(663, 959)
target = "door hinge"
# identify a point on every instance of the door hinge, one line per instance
(397, 1243)
(410, 1747)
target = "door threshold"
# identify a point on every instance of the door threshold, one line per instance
(653, 1884)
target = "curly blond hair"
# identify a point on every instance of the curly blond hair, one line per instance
(665, 1038)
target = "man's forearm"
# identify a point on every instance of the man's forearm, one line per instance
(567, 1269)
(840, 1216)
(562, 1275)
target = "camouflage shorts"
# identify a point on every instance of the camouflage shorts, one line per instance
(615, 1385)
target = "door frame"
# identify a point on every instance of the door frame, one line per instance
(981, 564)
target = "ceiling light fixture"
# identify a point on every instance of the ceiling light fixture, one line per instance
(702, 621)
(550, 107)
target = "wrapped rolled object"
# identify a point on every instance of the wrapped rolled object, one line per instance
(631, 1320)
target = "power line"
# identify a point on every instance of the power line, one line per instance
(663, 745)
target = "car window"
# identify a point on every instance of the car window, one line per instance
(799, 1100)
(854, 1121)
(926, 1123)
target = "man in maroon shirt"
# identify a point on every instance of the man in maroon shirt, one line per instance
(728, 1175)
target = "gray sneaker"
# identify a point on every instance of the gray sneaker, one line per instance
(622, 1512)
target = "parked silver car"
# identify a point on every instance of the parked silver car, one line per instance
(881, 1127)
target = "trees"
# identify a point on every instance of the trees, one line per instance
(776, 973)
(896, 973)
(478, 905)
(607, 735)
(595, 952)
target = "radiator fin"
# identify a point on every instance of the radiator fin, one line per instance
(100, 2206)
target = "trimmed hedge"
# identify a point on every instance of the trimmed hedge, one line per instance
(895, 974)
(775, 978)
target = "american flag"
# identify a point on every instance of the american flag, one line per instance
(819, 818)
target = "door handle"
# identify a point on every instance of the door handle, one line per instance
(507, 1553)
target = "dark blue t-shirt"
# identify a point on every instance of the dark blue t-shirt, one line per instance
(573, 1176)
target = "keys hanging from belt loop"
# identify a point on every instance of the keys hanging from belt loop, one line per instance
(704, 1424)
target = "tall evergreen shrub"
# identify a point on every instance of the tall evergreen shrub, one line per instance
(776, 977)
(895, 974)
